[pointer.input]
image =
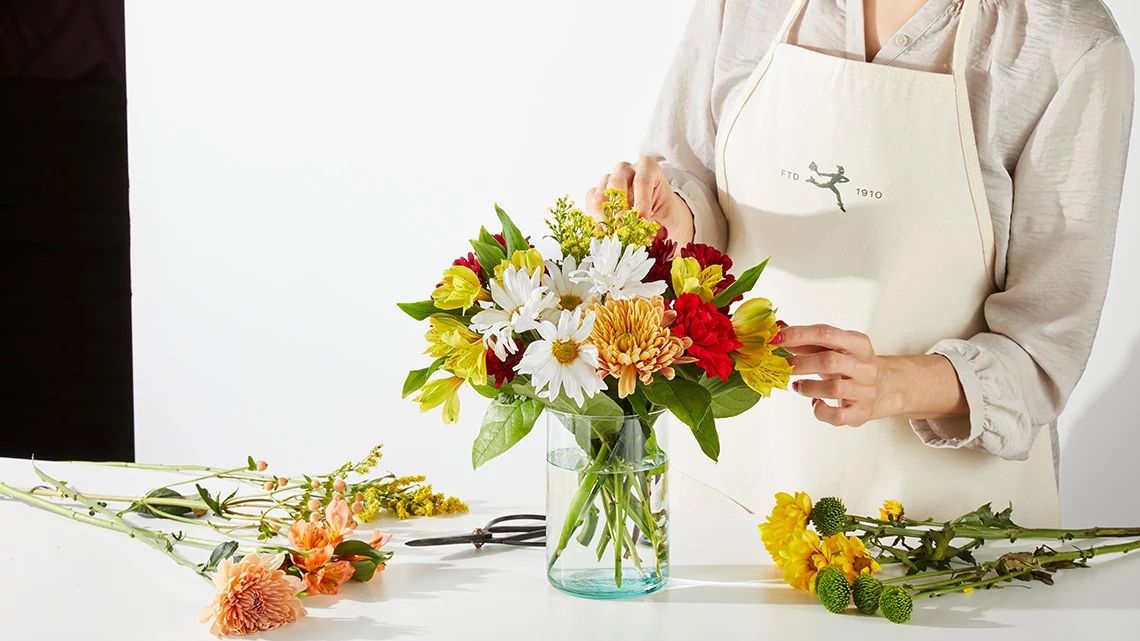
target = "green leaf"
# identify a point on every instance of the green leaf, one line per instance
(420, 310)
(640, 407)
(161, 511)
(486, 391)
(252, 464)
(691, 403)
(504, 424)
(222, 552)
(781, 352)
(597, 405)
(363, 570)
(731, 397)
(742, 285)
(515, 239)
(417, 377)
(211, 502)
(353, 547)
(489, 255)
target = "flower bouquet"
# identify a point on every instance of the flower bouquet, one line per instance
(822, 549)
(259, 582)
(612, 332)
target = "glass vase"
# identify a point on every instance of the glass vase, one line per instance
(607, 517)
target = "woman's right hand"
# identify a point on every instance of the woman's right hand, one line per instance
(646, 189)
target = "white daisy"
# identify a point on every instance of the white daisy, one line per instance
(563, 361)
(616, 272)
(516, 306)
(571, 293)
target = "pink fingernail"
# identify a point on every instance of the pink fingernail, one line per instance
(777, 339)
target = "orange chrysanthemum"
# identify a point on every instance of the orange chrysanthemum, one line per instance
(254, 595)
(633, 341)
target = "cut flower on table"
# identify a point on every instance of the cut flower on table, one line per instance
(260, 579)
(824, 550)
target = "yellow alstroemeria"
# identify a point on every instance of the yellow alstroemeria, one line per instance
(762, 370)
(442, 391)
(459, 289)
(754, 322)
(465, 351)
(528, 259)
(689, 278)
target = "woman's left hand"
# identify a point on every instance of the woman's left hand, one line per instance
(849, 372)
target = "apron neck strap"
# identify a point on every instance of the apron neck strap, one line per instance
(967, 18)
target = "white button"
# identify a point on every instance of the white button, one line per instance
(902, 40)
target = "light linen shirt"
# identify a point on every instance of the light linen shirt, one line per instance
(1051, 89)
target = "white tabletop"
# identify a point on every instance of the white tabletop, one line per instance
(69, 581)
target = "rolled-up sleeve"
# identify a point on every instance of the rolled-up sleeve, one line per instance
(1067, 184)
(682, 132)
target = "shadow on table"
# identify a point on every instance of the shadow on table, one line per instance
(763, 584)
(744, 584)
(430, 580)
(340, 629)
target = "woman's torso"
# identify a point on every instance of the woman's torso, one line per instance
(1020, 53)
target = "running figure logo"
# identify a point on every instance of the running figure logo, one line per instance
(830, 181)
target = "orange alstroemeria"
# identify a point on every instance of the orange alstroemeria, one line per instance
(313, 542)
(328, 579)
(338, 518)
(379, 539)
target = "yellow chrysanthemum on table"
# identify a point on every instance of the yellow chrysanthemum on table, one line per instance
(801, 558)
(786, 523)
(891, 511)
(850, 555)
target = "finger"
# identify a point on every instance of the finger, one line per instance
(595, 197)
(836, 389)
(851, 414)
(829, 362)
(646, 177)
(621, 178)
(827, 336)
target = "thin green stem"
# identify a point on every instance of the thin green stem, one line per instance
(907, 578)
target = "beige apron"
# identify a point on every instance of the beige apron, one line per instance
(862, 183)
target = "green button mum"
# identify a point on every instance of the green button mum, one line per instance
(833, 590)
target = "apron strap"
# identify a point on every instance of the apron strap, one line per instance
(794, 14)
(967, 18)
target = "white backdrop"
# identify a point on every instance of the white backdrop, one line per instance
(297, 168)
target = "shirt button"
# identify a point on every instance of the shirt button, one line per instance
(902, 40)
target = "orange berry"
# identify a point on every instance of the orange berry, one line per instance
(262, 466)
(282, 481)
(269, 485)
(339, 485)
(314, 505)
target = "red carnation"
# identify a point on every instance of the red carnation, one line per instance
(504, 371)
(711, 332)
(661, 251)
(470, 262)
(708, 255)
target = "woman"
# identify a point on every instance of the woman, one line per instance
(937, 183)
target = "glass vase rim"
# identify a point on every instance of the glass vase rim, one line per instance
(654, 414)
